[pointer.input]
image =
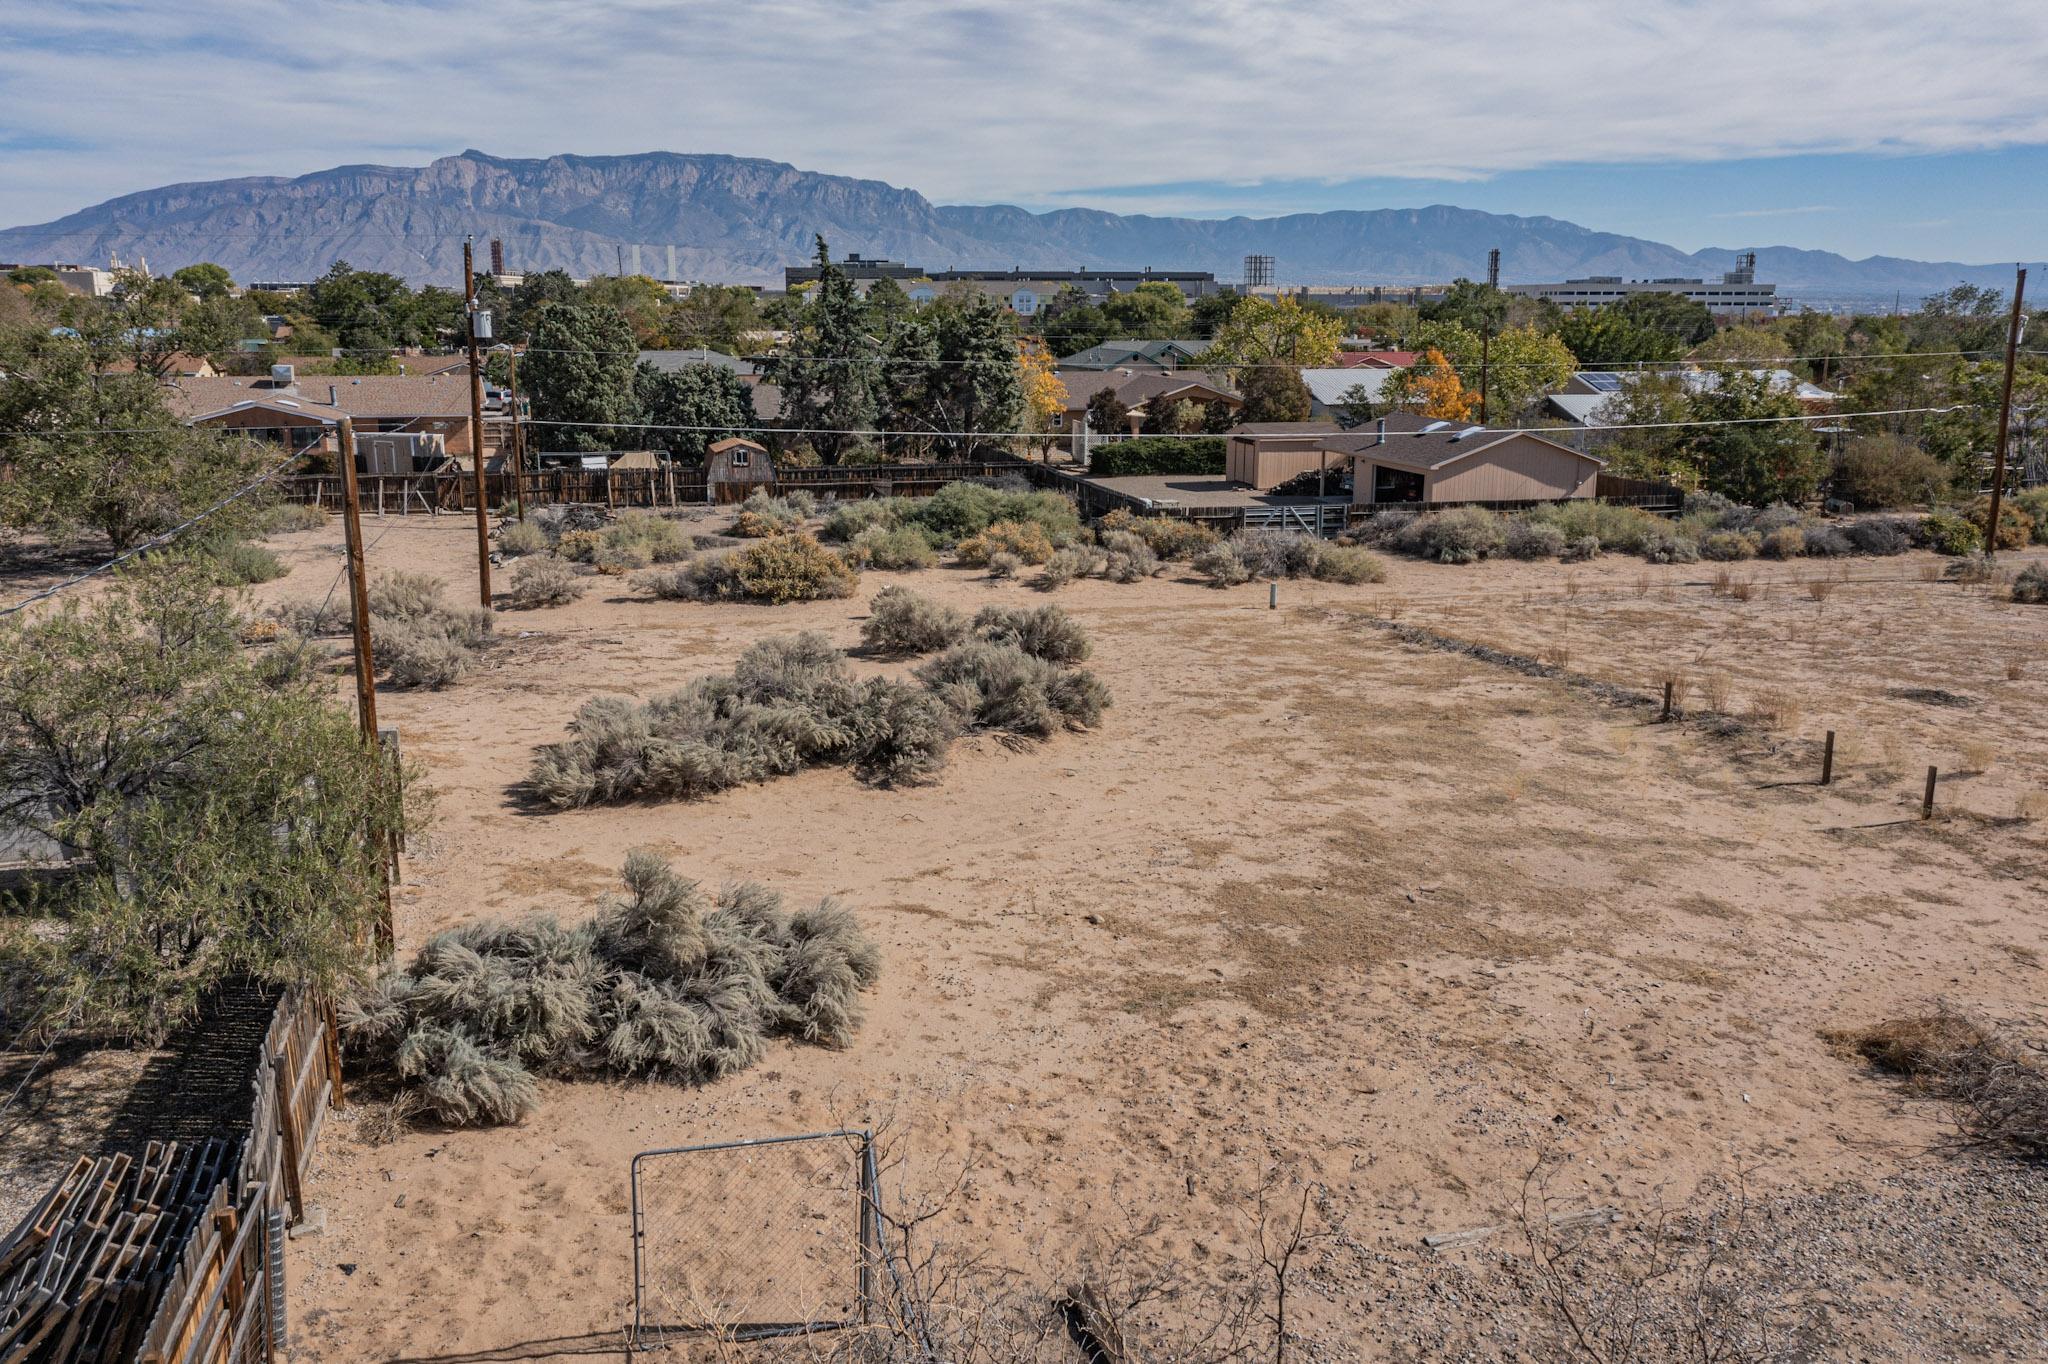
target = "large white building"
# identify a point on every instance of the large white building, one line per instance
(1735, 292)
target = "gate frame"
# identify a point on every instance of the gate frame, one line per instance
(868, 1233)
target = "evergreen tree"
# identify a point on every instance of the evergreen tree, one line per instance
(693, 396)
(828, 373)
(977, 387)
(580, 368)
(1274, 393)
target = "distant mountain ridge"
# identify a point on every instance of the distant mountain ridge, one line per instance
(741, 220)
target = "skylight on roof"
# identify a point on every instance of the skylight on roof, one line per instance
(1432, 427)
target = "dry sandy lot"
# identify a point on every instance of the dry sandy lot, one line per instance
(1392, 918)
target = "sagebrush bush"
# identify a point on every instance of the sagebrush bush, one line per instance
(707, 578)
(1043, 632)
(1383, 529)
(791, 568)
(1347, 564)
(579, 546)
(236, 563)
(405, 596)
(900, 622)
(903, 549)
(1884, 535)
(1003, 564)
(849, 519)
(1528, 539)
(1270, 553)
(1786, 542)
(1777, 516)
(959, 510)
(1064, 566)
(2034, 502)
(312, 619)
(1025, 539)
(1579, 550)
(1222, 565)
(999, 686)
(519, 538)
(1461, 535)
(430, 650)
(1667, 545)
(762, 515)
(1168, 537)
(666, 982)
(282, 517)
(2015, 525)
(644, 532)
(1620, 529)
(617, 559)
(1729, 546)
(1827, 541)
(2031, 585)
(543, 580)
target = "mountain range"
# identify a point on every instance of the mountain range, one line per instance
(740, 220)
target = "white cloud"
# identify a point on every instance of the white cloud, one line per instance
(1777, 212)
(993, 101)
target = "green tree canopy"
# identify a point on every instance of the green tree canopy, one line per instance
(828, 372)
(580, 368)
(1750, 460)
(1275, 331)
(695, 395)
(1474, 306)
(205, 280)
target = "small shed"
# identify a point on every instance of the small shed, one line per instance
(1404, 459)
(1264, 455)
(735, 466)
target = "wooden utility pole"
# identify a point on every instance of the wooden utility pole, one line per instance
(2012, 346)
(518, 443)
(1485, 345)
(476, 424)
(359, 624)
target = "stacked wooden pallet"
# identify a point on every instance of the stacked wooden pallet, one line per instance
(81, 1276)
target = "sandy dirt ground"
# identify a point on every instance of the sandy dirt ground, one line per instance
(1383, 916)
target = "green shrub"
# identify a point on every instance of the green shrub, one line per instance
(238, 563)
(2015, 526)
(313, 619)
(904, 549)
(900, 622)
(1728, 546)
(2034, 502)
(959, 510)
(1947, 532)
(2031, 586)
(520, 538)
(1461, 535)
(1579, 550)
(579, 546)
(1887, 471)
(791, 568)
(849, 519)
(665, 982)
(543, 580)
(1222, 565)
(662, 540)
(1167, 537)
(1786, 542)
(1043, 632)
(1064, 566)
(709, 578)
(1157, 455)
(1027, 540)
(1621, 529)
(1528, 539)
(1348, 564)
(617, 558)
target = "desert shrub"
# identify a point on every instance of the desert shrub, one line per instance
(1157, 455)
(1222, 565)
(1270, 553)
(1383, 529)
(900, 622)
(959, 510)
(1027, 540)
(901, 733)
(666, 981)
(1064, 566)
(311, 619)
(789, 568)
(1043, 632)
(849, 519)
(1728, 546)
(1946, 532)
(520, 538)
(1786, 542)
(1167, 537)
(999, 686)
(1347, 564)
(662, 540)
(405, 596)
(1666, 545)
(1777, 516)
(543, 580)
(2015, 526)
(1131, 564)
(1461, 535)
(1880, 535)
(2034, 502)
(1580, 549)
(579, 546)
(903, 549)
(1003, 564)
(1995, 1089)
(281, 517)
(555, 522)
(762, 515)
(2031, 586)
(1528, 539)
(1827, 541)
(228, 562)
(1622, 530)
(707, 578)
(615, 559)
(1887, 471)
(430, 650)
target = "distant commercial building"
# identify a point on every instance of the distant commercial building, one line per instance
(79, 279)
(1258, 272)
(1022, 291)
(1735, 292)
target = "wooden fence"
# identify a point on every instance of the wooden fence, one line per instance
(433, 494)
(178, 1258)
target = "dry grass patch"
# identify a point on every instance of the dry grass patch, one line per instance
(1994, 1087)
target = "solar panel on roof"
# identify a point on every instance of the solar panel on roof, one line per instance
(1602, 381)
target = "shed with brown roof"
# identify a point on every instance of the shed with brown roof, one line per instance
(1264, 455)
(736, 462)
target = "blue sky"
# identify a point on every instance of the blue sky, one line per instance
(1859, 126)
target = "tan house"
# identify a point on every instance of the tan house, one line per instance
(1264, 455)
(1408, 459)
(289, 410)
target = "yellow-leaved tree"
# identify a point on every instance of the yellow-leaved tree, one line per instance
(1045, 397)
(1431, 387)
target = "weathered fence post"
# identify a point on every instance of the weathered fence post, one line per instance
(1272, 596)
(1927, 801)
(1827, 760)
(1670, 694)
